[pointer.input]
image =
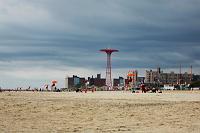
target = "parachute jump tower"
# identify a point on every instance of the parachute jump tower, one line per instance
(108, 68)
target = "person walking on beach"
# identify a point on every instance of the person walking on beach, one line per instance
(47, 86)
(143, 88)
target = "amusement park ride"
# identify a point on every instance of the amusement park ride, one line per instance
(109, 51)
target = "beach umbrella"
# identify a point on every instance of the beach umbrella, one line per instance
(54, 81)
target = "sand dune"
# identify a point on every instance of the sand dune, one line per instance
(99, 112)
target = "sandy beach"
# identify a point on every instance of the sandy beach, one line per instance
(109, 112)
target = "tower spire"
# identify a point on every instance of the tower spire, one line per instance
(180, 75)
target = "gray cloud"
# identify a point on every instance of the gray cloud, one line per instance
(67, 34)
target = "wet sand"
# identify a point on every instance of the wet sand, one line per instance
(109, 112)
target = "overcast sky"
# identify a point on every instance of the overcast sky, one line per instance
(42, 40)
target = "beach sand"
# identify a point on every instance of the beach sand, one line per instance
(98, 112)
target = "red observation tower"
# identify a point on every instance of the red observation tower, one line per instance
(108, 68)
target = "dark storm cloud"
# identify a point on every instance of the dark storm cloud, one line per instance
(70, 33)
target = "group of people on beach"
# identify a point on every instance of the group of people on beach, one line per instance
(86, 90)
(151, 90)
(146, 89)
(53, 88)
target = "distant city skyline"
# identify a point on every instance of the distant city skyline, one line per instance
(44, 40)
